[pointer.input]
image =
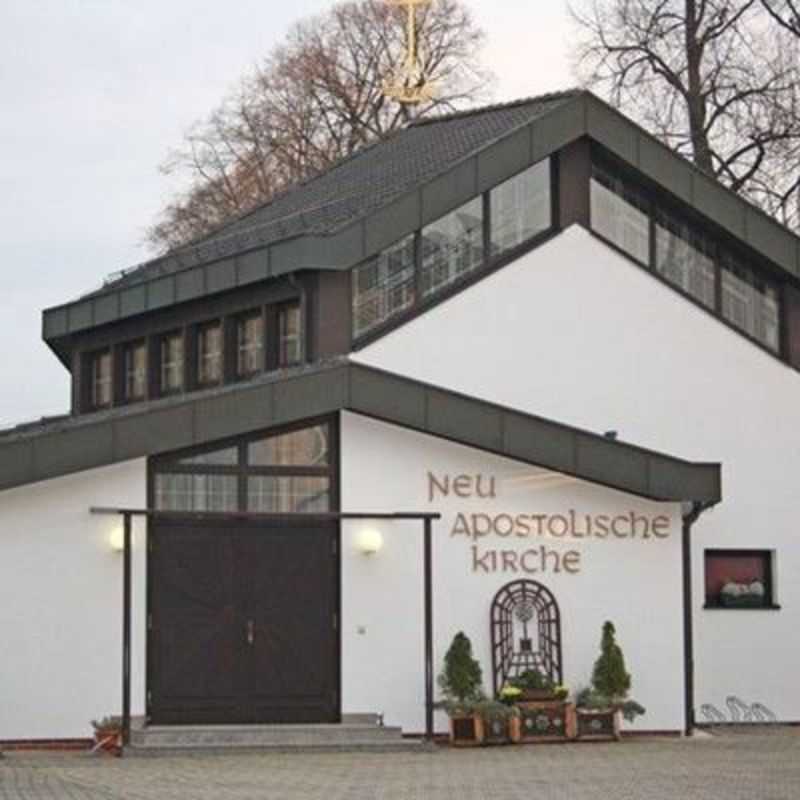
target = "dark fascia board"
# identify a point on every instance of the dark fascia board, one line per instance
(81, 443)
(583, 115)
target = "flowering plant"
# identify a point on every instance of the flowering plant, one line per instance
(510, 694)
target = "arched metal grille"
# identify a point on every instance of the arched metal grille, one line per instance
(526, 632)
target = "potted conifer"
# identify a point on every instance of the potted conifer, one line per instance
(600, 706)
(107, 734)
(460, 682)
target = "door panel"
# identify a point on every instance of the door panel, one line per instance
(209, 585)
(292, 603)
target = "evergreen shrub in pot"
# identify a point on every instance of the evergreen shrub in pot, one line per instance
(600, 706)
(461, 684)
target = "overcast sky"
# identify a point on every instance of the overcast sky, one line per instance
(93, 93)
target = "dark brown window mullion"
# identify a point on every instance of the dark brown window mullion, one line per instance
(190, 362)
(229, 349)
(118, 397)
(153, 367)
(271, 338)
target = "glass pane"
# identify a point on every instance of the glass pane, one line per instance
(304, 448)
(684, 258)
(750, 303)
(287, 495)
(196, 492)
(619, 215)
(520, 207)
(101, 379)
(289, 335)
(737, 578)
(250, 344)
(135, 371)
(229, 457)
(172, 363)
(384, 286)
(452, 246)
(209, 354)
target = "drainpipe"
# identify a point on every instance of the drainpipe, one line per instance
(295, 284)
(690, 516)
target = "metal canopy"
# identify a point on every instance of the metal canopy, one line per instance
(128, 514)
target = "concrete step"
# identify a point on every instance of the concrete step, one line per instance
(347, 736)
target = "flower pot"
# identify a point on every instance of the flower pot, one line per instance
(547, 721)
(500, 730)
(598, 724)
(466, 731)
(107, 740)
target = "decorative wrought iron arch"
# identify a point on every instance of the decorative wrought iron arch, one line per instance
(516, 608)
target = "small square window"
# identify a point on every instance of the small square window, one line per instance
(739, 579)
(135, 371)
(289, 335)
(209, 354)
(249, 344)
(171, 363)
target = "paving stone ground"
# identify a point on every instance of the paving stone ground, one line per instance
(752, 765)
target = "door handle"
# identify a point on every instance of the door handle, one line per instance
(251, 632)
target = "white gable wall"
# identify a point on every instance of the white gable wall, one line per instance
(575, 332)
(61, 607)
(631, 581)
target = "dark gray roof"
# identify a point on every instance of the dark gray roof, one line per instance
(395, 186)
(358, 185)
(60, 447)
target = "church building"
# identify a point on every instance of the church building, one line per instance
(523, 351)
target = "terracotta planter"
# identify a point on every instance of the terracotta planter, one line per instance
(108, 740)
(598, 725)
(547, 721)
(466, 731)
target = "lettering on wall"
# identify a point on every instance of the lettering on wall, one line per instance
(481, 530)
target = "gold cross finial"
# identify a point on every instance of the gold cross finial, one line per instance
(410, 85)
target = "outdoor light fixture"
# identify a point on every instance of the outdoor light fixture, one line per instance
(369, 541)
(116, 539)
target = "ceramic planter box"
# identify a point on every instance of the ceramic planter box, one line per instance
(598, 725)
(466, 731)
(547, 721)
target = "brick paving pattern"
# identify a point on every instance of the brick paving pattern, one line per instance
(753, 765)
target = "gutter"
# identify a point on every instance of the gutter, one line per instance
(690, 516)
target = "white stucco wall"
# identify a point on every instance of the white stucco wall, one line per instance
(61, 603)
(575, 332)
(636, 583)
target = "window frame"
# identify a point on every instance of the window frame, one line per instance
(94, 358)
(768, 557)
(180, 336)
(239, 321)
(491, 262)
(720, 241)
(282, 310)
(127, 350)
(167, 464)
(202, 330)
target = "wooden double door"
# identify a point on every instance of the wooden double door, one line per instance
(242, 623)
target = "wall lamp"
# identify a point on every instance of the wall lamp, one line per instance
(116, 539)
(369, 541)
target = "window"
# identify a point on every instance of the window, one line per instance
(750, 302)
(384, 286)
(739, 579)
(520, 207)
(134, 358)
(171, 363)
(619, 214)
(249, 344)
(452, 246)
(304, 448)
(101, 379)
(286, 472)
(209, 354)
(685, 258)
(289, 335)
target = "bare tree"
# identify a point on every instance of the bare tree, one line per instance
(785, 12)
(716, 80)
(315, 99)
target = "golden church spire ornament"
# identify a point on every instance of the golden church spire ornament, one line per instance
(410, 85)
